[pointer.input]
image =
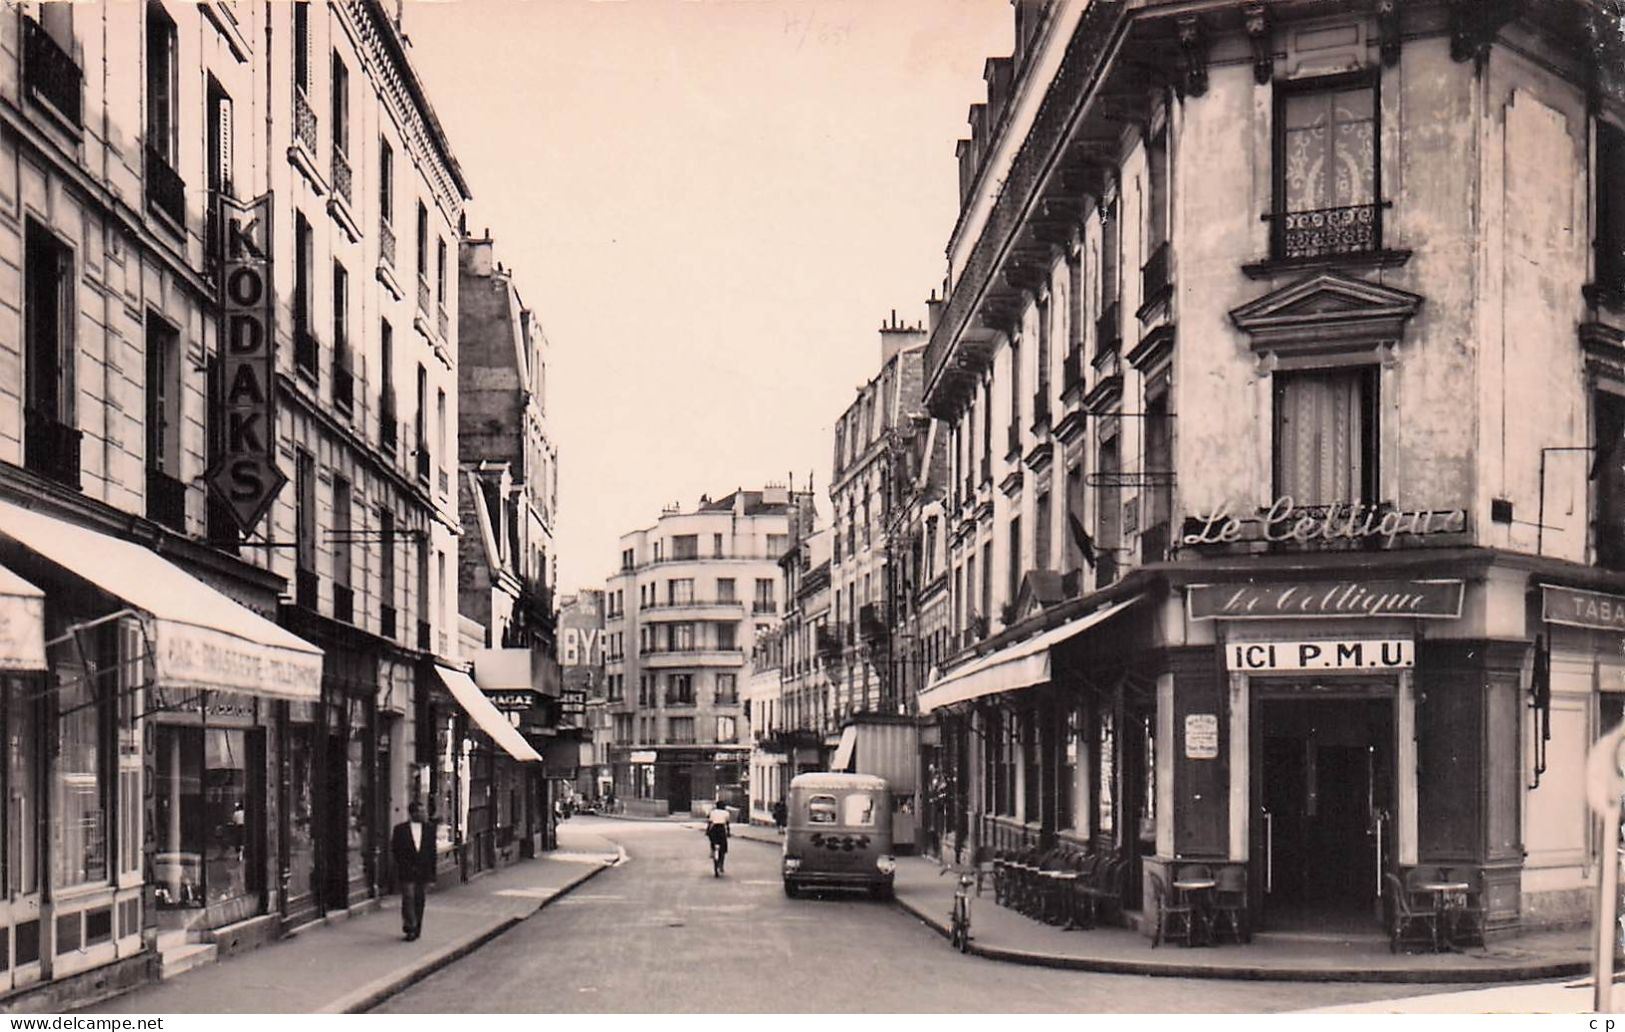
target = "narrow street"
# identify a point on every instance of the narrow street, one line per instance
(661, 934)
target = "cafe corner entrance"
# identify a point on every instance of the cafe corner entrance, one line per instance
(1324, 777)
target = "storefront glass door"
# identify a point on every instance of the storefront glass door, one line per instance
(1324, 799)
(19, 909)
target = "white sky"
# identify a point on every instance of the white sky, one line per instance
(711, 205)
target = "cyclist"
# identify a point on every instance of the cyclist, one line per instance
(716, 830)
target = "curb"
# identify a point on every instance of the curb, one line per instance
(1421, 976)
(371, 995)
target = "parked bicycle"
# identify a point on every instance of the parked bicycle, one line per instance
(959, 918)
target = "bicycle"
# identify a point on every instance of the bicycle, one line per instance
(718, 854)
(959, 918)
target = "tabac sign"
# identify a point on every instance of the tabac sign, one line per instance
(245, 476)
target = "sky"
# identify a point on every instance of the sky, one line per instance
(711, 206)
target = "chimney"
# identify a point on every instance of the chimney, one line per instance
(896, 335)
(775, 494)
(933, 311)
(739, 501)
(477, 255)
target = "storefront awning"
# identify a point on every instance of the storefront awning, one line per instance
(843, 752)
(487, 716)
(1020, 665)
(22, 624)
(202, 639)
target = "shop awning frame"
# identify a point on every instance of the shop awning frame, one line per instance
(200, 638)
(1021, 665)
(485, 714)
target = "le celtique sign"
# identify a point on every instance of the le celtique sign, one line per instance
(1286, 522)
(1349, 656)
(1578, 608)
(1432, 599)
(245, 476)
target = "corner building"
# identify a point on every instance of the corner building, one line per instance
(1283, 401)
(680, 617)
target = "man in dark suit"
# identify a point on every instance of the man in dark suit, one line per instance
(412, 846)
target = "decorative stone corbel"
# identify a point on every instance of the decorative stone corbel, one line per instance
(1193, 50)
(1388, 30)
(1257, 18)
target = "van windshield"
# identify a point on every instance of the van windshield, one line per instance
(821, 809)
(860, 810)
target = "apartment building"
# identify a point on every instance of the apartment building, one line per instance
(681, 614)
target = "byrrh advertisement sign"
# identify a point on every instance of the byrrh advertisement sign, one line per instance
(245, 475)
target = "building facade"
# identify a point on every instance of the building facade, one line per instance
(224, 483)
(508, 496)
(581, 655)
(681, 615)
(882, 447)
(1280, 536)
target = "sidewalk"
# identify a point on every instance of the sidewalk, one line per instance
(1000, 933)
(352, 965)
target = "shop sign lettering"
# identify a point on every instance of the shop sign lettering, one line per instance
(1352, 655)
(1433, 599)
(512, 700)
(1577, 608)
(578, 646)
(245, 476)
(1201, 736)
(1309, 525)
(171, 700)
(642, 756)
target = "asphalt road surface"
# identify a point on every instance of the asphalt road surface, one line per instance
(661, 934)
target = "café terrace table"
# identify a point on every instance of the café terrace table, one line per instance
(1198, 893)
(1447, 896)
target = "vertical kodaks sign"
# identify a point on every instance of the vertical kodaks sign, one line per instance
(246, 477)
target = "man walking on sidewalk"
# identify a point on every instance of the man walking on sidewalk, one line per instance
(412, 846)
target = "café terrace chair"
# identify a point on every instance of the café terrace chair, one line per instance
(1230, 903)
(1173, 919)
(1409, 924)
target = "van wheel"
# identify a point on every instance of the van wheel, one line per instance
(791, 889)
(883, 891)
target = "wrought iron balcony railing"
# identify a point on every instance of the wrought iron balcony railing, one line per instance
(304, 121)
(51, 448)
(386, 242)
(165, 189)
(343, 387)
(1109, 329)
(1154, 274)
(166, 500)
(424, 295)
(343, 178)
(51, 73)
(1352, 229)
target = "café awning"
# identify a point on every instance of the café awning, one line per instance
(488, 718)
(1021, 665)
(201, 638)
(843, 752)
(22, 624)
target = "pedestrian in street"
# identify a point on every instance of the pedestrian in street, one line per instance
(716, 830)
(781, 813)
(412, 847)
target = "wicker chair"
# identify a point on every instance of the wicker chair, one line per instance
(1409, 924)
(1230, 903)
(1173, 918)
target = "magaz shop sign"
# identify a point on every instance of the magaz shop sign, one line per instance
(1348, 656)
(1429, 599)
(246, 477)
(1285, 522)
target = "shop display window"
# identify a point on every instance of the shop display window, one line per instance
(79, 809)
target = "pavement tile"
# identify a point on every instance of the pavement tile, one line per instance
(346, 965)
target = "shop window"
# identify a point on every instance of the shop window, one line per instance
(727, 729)
(1326, 436)
(1106, 775)
(1030, 763)
(22, 771)
(301, 752)
(79, 818)
(1327, 199)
